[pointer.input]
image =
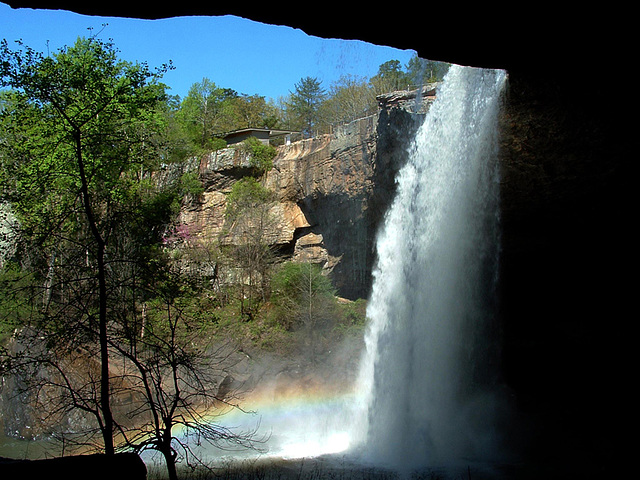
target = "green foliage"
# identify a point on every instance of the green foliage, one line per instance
(79, 116)
(209, 111)
(390, 77)
(17, 290)
(217, 144)
(80, 138)
(302, 295)
(353, 316)
(260, 155)
(293, 280)
(246, 194)
(202, 112)
(426, 71)
(196, 124)
(175, 304)
(173, 142)
(305, 104)
(252, 111)
(190, 184)
(312, 110)
(350, 98)
(80, 146)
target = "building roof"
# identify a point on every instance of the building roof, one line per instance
(272, 132)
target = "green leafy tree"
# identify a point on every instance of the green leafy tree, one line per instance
(253, 111)
(77, 145)
(349, 98)
(305, 104)
(204, 112)
(305, 300)
(422, 71)
(390, 77)
(175, 142)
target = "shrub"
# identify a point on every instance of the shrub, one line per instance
(260, 155)
(302, 295)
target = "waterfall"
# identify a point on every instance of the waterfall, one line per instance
(428, 394)
(427, 377)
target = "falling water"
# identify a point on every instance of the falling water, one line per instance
(426, 394)
(427, 376)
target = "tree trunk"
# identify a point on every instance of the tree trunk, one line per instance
(105, 401)
(170, 460)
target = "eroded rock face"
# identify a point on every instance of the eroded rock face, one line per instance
(8, 226)
(331, 179)
(330, 191)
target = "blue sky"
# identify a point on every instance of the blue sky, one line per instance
(246, 56)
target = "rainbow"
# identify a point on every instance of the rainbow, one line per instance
(301, 423)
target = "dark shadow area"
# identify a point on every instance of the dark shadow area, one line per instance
(123, 466)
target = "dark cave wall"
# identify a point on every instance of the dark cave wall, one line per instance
(562, 287)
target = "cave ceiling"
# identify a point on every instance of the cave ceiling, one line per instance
(525, 38)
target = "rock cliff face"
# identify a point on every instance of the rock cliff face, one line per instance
(331, 191)
(7, 235)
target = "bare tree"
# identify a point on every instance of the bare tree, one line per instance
(178, 381)
(305, 298)
(248, 221)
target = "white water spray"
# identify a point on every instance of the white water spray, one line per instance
(426, 376)
(425, 396)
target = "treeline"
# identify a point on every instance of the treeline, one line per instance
(94, 307)
(200, 120)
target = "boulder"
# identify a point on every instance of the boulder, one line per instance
(123, 466)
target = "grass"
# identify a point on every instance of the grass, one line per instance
(302, 469)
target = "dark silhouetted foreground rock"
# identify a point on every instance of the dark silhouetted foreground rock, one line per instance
(123, 466)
